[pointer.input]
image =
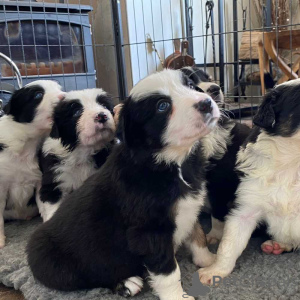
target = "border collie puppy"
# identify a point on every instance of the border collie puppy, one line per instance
(129, 218)
(79, 143)
(270, 185)
(26, 123)
(204, 81)
(220, 147)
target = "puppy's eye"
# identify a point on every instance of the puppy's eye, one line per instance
(38, 96)
(191, 85)
(163, 106)
(104, 106)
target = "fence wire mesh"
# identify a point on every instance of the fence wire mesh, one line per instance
(113, 44)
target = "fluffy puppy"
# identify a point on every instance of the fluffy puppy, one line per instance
(130, 217)
(269, 164)
(220, 147)
(26, 123)
(79, 143)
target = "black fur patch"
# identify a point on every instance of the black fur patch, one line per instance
(24, 102)
(141, 125)
(49, 191)
(197, 75)
(66, 116)
(279, 113)
(106, 101)
(222, 178)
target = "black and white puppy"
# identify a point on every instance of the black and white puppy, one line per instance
(270, 184)
(204, 81)
(79, 143)
(220, 147)
(131, 216)
(26, 123)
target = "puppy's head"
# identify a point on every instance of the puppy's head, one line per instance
(165, 115)
(84, 118)
(34, 103)
(204, 81)
(279, 113)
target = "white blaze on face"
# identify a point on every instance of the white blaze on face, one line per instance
(90, 131)
(186, 124)
(53, 94)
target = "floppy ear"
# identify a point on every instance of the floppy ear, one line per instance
(125, 128)
(265, 117)
(54, 132)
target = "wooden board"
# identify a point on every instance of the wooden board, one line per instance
(249, 49)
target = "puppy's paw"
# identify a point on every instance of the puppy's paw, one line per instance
(211, 275)
(204, 261)
(214, 236)
(272, 247)
(130, 287)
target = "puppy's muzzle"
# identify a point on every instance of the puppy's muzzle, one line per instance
(204, 106)
(101, 118)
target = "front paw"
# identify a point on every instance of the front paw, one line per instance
(206, 260)
(212, 275)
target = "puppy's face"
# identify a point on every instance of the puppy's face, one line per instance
(204, 81)
(34, 103)
(279, 113)
(84, 118)
(165, 113)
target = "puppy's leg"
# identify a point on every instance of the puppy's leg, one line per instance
(130, 287)
(216, 233)
(237, 232)
(167, 286)
(272, 247)
(202, 257)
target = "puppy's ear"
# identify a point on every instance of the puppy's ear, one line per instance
(265, 116)
(125, 129)
(54, 132)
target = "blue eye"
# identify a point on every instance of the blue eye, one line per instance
(163, 106)
(77, 113)
(38, 96)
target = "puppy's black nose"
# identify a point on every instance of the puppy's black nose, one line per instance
(214, 89)
(102, 117)
(204, 106)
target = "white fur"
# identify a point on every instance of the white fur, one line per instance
(134, 284)
(216, 142)
(179, 140)
(77, 165)
(269, 191)
(168, 287)
(20, 174)
(187, 211)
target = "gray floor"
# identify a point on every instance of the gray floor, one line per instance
(257, 276)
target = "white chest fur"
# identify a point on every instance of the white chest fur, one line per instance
(272, 184)
(187, 211)
(19, 176)
(71, 173)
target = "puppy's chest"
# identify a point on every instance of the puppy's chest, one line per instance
(70, 174)
(18, 169)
